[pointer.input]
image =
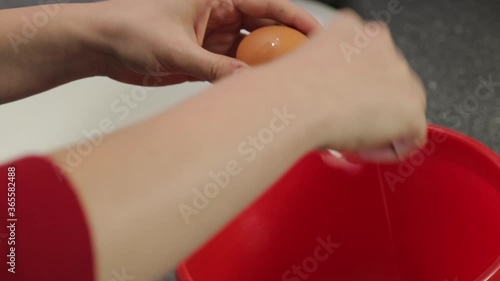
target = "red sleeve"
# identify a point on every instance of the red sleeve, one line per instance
(44, 235)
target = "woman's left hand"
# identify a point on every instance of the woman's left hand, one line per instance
(183, 40)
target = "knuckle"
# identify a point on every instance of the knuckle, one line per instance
(216, 69)
(213, 72)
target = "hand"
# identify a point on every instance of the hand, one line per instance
(183, 40)
(371, 103)
(312, 98)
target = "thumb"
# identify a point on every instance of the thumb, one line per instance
(208, 66)
(396, 152)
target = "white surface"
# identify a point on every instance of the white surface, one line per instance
(61, 116)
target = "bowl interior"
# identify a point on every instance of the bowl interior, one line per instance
(434, 217)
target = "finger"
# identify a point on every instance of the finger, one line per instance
(194, 79)
(221, 45)
(234, 49)
(283, 11)
(251, 23)
(405, 147)
(386, 154)
(195, 61)
(398, 151)
(201, 26)
(146, 80)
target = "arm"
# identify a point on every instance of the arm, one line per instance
(50, 45)
(136, 185)
(44, 47)
(142, 179)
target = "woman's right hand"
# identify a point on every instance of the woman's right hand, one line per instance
(368, 101)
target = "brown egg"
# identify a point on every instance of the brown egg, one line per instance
(267, 43)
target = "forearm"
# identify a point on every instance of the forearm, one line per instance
(44, 47)
(134, 184)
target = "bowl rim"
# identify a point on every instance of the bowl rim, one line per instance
(478, 146)
(493, 271)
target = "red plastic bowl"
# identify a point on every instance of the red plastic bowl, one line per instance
(434, 217)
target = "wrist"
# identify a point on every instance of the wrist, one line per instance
(277, 85)
(301, 93)
(84, 44)
(50, 44)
